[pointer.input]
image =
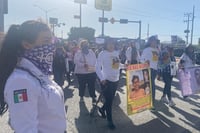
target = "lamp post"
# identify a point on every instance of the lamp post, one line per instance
(3, 10)
(80, 2)
(45, 11)
(57, 25)
(1, 17)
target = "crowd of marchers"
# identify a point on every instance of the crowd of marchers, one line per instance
(30, 54)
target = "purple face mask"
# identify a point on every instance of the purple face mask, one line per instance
(41, 57)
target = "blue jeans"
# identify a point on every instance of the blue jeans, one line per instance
(153, 77)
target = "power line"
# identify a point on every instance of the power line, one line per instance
(188, 19)
(192, 24)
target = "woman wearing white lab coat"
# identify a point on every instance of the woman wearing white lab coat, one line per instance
(35, 102)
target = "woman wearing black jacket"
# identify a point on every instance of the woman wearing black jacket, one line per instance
(59, 66)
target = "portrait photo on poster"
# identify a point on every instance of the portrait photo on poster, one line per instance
(139, 85)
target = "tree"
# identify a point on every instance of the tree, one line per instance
(85, 32)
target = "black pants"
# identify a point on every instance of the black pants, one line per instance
(167, 78)
(86, 79)
(109, 90)
(153, 86)
(59, 78)
(71, 69)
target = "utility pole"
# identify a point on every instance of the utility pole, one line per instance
(148, 31)
(140, 31)
(102, 31)
(80, 2)
(80, 15)
(3, 10)
(187, 31)
(1, 17)
(192, 25)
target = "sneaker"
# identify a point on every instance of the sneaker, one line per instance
(164, 99)
(186, 98)
(171, 103)
(81, 99)
(102, 112)
(111, 125)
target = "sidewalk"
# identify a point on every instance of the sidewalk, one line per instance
(183, 118)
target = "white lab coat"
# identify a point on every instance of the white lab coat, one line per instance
(43, 112)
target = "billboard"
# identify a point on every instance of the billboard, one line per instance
(103, 5)
(53, 20)
(81, 1)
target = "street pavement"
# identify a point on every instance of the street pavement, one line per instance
(183, 118)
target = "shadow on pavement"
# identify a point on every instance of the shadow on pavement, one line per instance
(197, 111)
(86, 124)
(195, 97)
(191, 119)
(175, 95)
(83, 122)
(68, 93)
(165, 125)
(162, 107)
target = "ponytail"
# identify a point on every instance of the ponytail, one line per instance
(8, 60)
(12, 49)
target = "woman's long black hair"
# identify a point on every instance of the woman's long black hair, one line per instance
(12, 49)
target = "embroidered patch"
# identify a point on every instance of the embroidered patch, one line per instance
(20, 96)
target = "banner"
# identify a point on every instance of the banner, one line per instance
(189, 80)
(138, 81)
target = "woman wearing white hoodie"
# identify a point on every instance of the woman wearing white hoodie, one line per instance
(150, 56)
(108, 70)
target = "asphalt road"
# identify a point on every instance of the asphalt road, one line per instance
(183, 118)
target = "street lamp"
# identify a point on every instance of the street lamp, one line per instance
(45, 11)
(57, 25)
(80, 16)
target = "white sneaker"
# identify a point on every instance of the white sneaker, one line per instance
(164, 99)
(171, 103)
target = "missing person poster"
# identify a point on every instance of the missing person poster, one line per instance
(138, 88)
(189, 80)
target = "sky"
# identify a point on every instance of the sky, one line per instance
(165, 17)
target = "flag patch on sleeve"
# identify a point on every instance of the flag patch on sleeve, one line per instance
(20, 96)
